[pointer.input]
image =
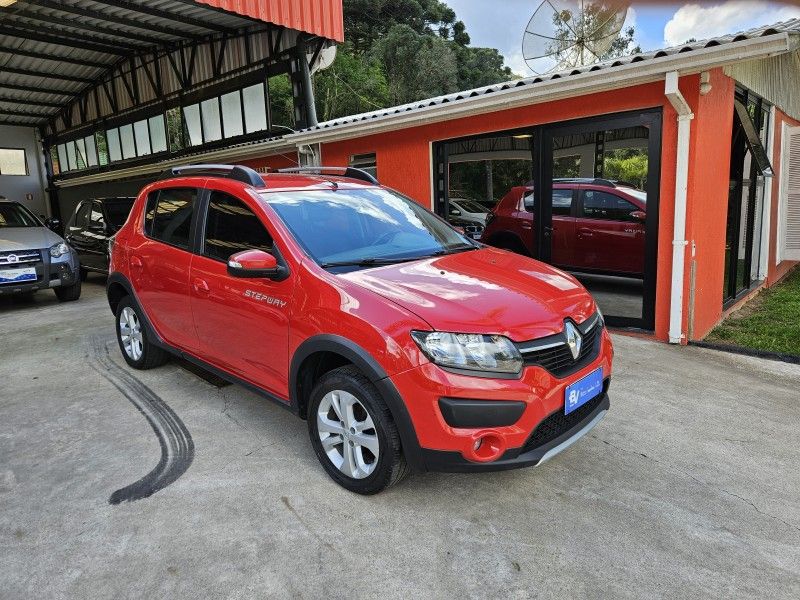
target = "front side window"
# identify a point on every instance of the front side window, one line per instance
(168, 216)
(364, 226)
(232, 227)
(605, 206)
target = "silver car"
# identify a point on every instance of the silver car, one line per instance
(34, 258)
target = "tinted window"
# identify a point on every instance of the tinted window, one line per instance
(562, 202)
(96, 216)
(232, 227)
(16, 215)
(168, 216)
(602, 205)
(81, 215)
(118, 210)
(529, 201)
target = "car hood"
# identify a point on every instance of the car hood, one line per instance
(482, 291)
(27, 238)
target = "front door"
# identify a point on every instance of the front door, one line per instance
(242, 324)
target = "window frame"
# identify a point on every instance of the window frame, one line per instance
(24, 161)
(581, 213)
(203, 227)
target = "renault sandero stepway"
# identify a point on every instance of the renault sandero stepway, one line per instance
(406, 345)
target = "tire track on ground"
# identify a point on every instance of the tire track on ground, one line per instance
(177, 447)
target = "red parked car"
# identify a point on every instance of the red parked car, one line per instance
(598, 226)
(405, 344)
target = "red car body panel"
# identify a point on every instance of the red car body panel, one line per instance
(252, 328)
(579, 242)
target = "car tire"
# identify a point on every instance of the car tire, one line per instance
(68, 293)
(84, 274)
(132, 336)
(345, 409)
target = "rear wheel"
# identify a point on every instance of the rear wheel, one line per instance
(353, 433)
(137, 350)
(68, 293)
(84, 274)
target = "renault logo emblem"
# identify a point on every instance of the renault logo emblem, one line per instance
(574, 339)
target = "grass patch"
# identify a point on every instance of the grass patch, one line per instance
(770, 322)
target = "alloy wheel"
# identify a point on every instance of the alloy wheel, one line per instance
(348, 434)
(130, 332)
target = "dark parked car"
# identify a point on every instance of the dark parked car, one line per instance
(598, 225)
(90, 227)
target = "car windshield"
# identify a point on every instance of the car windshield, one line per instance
(16, 215)
(471, 206)
(364, 227)
(118, 210)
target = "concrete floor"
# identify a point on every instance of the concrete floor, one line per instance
(689, 488)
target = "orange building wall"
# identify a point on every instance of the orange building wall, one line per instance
(776, 272)
(709, 172)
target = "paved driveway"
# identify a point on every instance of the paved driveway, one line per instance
(688, 488)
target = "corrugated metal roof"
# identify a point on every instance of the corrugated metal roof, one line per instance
(791, 26)
(82, 40)
(320, 17)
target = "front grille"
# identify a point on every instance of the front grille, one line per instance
(553, 353)
(20, 257)
(558, 423)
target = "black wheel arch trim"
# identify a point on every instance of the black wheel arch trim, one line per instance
(367, 364)
(119, 279)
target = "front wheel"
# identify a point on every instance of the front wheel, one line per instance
(68, 293)
(353, 433)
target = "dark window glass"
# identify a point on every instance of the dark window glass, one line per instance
(118, 210)
(529, 201)
(80, 217)
(168, 216)
(602, 205)
(96, 219)
(16, 215)
(562, 202)
(232, 227)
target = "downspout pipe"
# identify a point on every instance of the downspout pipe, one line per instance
(679, 243)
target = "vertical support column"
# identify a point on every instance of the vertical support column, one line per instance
(303, 88)
(599, 151)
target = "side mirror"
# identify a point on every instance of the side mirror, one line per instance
(53, 224)
(639, 215)
(256, 264)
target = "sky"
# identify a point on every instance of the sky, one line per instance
(501, 23)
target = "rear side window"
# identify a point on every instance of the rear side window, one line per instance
(168, 216)
(602, 205)
(528, 201)
(562, 202)
(232, 227)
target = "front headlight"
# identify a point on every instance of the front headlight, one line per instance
(474, 352)
(59, 249)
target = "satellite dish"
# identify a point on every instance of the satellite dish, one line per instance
(325, 59)
(564, 34)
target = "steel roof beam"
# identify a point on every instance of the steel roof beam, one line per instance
(36, 89)
(29, 102)
(80, 43)
(55, 57)
(17, 123)
(19, 113)
(31, 73)
(121, 20)
(78, 24)
(163, 14)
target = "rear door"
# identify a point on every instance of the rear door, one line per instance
(608, 236)
(161, 263)
(242, 324)
(75, 234)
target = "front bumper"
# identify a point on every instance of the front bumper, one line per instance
(50, 273)
(448, 432)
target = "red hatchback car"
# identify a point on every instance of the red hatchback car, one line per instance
(406, 345)
(598, 226)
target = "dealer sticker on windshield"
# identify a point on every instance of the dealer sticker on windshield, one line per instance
(580, 392)
(17, 275)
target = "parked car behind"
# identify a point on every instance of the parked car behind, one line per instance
(468, 210)
(90, 227)
(405, 345)
(32, 257)
(598, 226)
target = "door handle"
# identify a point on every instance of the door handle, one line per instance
(526, 225)
(586, 231)
(200, 286)
(136, 262)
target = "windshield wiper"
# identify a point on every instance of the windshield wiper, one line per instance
(368, 262)
(455, 250)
